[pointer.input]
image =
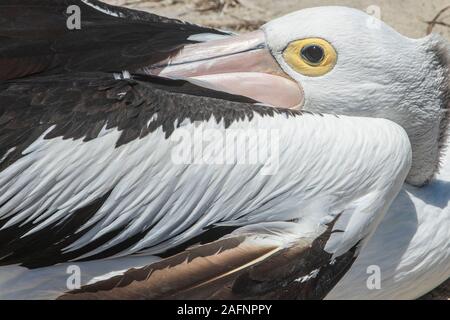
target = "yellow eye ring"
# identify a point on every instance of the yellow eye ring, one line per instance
(311, 65)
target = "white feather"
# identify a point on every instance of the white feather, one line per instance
(411, 246)
(181, 200)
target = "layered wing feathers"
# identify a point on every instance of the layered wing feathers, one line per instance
(134, 195)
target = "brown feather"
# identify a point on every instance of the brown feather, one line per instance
(194, 268)
(245, 266)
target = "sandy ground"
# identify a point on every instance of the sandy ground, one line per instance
(410, 17)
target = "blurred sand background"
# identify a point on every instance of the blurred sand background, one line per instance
(409, 17)
(412, 18)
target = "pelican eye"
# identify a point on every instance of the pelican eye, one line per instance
(313, 54)
(312, 57)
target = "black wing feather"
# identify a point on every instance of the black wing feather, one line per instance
(34, 38)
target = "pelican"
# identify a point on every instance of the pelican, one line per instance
(113, 183)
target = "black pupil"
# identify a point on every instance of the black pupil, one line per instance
(313, 53)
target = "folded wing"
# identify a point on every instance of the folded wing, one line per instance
(96, 168)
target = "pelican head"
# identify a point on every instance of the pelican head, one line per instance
(334, 60)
